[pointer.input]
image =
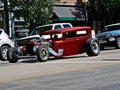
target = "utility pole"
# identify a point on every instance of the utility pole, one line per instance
(6, 16)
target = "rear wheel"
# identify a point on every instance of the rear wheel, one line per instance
(12, 55)
(42, 54)
(92, 47)
(117, 43)
(3, 52)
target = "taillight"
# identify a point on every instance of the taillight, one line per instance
(23, 48)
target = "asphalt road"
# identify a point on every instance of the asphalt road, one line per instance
(71, 73)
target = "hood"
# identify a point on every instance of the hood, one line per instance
(28, 37)
(22, 41)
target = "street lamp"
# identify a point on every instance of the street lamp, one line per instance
(86, 13)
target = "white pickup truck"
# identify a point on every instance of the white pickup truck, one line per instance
(40, 29)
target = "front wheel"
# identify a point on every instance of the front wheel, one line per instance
(92, 47)
(42, 54)
(12, 55)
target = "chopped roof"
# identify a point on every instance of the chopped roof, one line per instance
(62, 30)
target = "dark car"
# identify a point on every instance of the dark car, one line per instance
(110, 36)
(58, 43)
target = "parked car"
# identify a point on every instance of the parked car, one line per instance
(110, 36)
(40, 29)
(58, 43)
(5, 43)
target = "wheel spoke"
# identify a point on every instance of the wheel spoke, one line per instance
(4, 53)
(43, 53)
(95, 47)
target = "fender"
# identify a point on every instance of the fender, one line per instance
(60, 52)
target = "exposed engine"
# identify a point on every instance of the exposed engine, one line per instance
(29, 45)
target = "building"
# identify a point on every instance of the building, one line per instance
(72, 11)
(2, 17)
(12, 26)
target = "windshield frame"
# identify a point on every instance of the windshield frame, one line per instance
(39, 30)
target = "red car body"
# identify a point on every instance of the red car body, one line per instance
(72, 44)
(57, 43)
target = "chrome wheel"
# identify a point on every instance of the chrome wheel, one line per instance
(3, 53)
(42, 53)
(95, 47)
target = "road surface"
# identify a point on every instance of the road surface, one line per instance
(78, 72)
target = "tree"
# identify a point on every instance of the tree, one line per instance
(34, 12)
(107, 10)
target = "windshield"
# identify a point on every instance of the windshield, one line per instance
(111, 28)
(39, 30)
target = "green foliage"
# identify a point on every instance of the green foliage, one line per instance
(33, 11)
(108, 10)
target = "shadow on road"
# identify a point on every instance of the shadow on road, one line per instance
(51, 59)
(109, 59)
(109, 48)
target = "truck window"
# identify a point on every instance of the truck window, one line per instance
(66, 25)
(57, 26)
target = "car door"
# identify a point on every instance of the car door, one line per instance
(70, 44)
(82, 36)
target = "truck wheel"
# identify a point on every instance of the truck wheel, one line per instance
(3, 53)
(12, 55)
(92, 47)
(117, 43)
(42, 54)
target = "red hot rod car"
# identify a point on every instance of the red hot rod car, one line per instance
(58, 43)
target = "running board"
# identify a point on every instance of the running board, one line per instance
(26, 57)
